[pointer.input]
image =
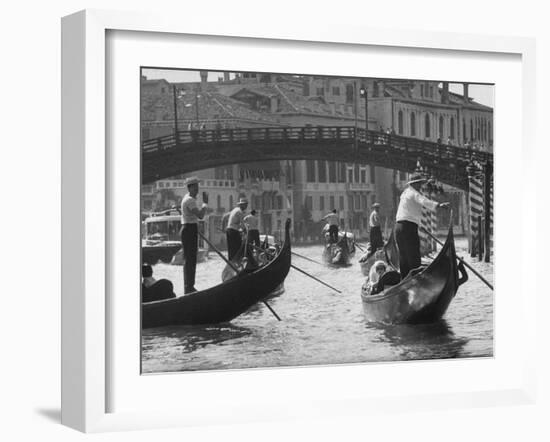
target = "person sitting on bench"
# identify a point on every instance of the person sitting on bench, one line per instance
(153, 290)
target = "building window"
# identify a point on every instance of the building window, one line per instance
(349, 93)
(310, 171)
(322, 171)
(280, 202)
(336, 90)
(341, 200)
(427, 126)
(363, 202)
(219, 201)
(400, 122)
(230, 202)
(356, 174)
(413, 125)
(320, 92)
(363, 176)
(490, 134)
(162, 90)
(331, 172)
(350, 203)
(306, 89)
(375, 89)
(331, 202)
(452, 135)
(321, 203)
(463, 130)
(372, 174)
(350, 176)
(421, 90)
(309, 202)
(441, 127)
(471, 130)
(342, 175)
(357, 202)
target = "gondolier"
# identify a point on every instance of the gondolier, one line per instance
(190, 215)
(375, 233)
(332, 222)
(251, 222)
(409, 214)
(235, 225)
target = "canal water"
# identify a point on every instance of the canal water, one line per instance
(319, 326)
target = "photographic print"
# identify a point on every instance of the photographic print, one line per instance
(301, 220)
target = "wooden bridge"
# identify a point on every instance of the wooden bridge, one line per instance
(195, 150)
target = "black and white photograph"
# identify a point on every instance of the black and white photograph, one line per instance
(298, 220)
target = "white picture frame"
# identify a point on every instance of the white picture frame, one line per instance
(86, 316)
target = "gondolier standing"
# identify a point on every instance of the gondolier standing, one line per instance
(235, 225)
(409, 214)
(375, 233)
(190, 215)
(251, 222)
(332, 221)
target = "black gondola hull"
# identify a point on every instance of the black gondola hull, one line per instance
(419, 299)
(223, 302)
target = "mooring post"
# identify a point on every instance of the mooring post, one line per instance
(480, 237)
(488, 210)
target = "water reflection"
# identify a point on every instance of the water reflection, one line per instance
(191, 338)
(422, 341)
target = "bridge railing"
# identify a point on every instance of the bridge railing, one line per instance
(366, 140)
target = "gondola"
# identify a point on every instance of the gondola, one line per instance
(389, 253)
(340, 253)
(423, 296)
(249, 257)
(225, 301)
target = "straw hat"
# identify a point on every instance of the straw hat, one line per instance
(376, 205)
(192, 180)
(417, 178)
(242, 201)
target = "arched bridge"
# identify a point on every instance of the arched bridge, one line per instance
(195, 150)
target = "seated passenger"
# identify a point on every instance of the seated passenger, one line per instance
(153, 290)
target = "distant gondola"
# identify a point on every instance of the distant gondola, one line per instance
(422, 297)
(340, 253)
(223, 302)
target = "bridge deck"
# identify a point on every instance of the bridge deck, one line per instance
(193, 150)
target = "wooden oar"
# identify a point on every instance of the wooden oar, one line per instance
(359, 247)
(304, 272)
(307, 259)
(230, 264)
(461, 260)
(313, 277)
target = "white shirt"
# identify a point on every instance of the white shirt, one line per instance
(332, 219)
(251, 221)
(235, 220)
(187, 204)
(410, 206)
(374, 220)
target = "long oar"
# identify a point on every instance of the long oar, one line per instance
(461, 260)
(305, 273)
(313, 277)
(359, 247)
(307, 259)
(230, 264)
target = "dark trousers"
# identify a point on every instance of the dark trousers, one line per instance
(234, 242)
(375, 238)
(333, 233)
(190, 245)
(408, 242)
(254, 237)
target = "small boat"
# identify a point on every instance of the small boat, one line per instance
(423, 296)
(162, 240)
(225, 301)
(339, 253)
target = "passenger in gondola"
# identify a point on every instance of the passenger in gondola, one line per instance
(332, 222)
(409, 214)
(251, 222)
(190, 215)
(152, 289)
(375, 232)
(235, 226)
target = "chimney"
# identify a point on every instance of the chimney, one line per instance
(445, 93)
(466, 97)
(204, 79)
(226, 76)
